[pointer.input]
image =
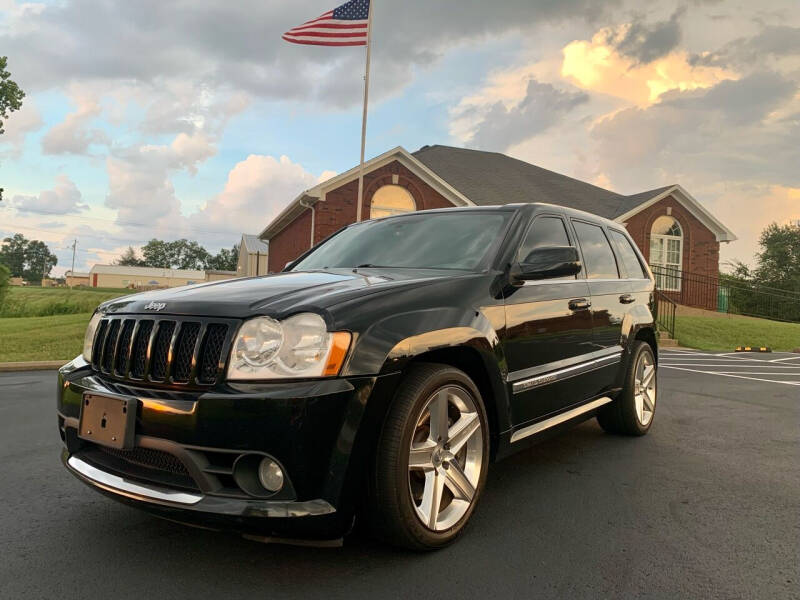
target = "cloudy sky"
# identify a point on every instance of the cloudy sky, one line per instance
(192, 118)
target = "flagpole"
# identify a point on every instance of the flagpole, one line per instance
(364, 116)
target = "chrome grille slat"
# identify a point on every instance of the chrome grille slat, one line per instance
(141, 343)
(161, 349)
(160, 354)
(99, 342)
(123, 349)
(110, 346)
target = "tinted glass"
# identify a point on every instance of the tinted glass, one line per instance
(597, 253)
(545, 231)
(628, 256)
(455, 240)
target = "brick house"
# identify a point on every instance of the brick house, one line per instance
(672, 228)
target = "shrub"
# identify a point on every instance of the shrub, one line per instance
(5, 275)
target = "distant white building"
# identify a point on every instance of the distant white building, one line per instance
(118, 276)
(253, 257)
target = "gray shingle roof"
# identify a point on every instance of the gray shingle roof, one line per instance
(489, 178)
(253, 244)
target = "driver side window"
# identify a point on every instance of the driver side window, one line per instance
(545, 231)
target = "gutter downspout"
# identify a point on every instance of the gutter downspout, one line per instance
(313, 218)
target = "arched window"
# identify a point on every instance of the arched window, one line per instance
(391, 200)
(666, 253)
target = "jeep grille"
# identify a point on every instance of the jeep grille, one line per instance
(167, 350)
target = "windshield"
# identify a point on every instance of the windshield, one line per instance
(446, 240)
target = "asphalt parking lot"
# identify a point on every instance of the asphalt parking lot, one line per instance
(706, 506)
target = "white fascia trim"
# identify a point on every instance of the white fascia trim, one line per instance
(722, 233)
(409, 161)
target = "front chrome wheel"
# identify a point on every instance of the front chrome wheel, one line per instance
(645, 388)
(445, 458)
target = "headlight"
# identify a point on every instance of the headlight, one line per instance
(88, 338)
(300, 346)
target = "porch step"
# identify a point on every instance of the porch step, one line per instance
(666, 341)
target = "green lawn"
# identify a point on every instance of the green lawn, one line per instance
(42, 338)
(42, 302)
(722, 333)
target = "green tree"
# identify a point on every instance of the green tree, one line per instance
(779, 259)
(129, 258)
(12, 254)
(180, 254)
(10, 94)
(30, 259)
(224, 260)
(39, 261)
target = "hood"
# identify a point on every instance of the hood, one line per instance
(273, 295)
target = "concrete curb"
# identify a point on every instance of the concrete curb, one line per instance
(39, 365)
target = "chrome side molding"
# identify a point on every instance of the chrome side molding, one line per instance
(125, 487)
(566, 373)
(558, 419)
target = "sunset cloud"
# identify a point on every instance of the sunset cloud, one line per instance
(600, 65)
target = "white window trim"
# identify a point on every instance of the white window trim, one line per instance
(664, 264)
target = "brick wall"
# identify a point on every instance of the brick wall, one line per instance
(339, 209)
(700, 251)
(290, 242)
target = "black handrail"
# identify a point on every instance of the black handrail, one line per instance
(666, 309)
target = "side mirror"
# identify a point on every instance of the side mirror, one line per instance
(548, 262)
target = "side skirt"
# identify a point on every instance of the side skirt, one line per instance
(553, 421)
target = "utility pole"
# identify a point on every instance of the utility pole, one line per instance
(72, 272)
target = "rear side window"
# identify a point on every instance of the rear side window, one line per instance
(628, 255)
(597, 252)
(545, 231)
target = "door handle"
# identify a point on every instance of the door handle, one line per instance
(627, 299)
(579, 304)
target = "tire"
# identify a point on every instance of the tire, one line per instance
(633, 411)
(402, 496)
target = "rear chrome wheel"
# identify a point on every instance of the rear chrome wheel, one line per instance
(445, 458)
(633, 410)
(431, 460)
(645, 394)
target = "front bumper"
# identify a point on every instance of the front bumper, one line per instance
(187, 444)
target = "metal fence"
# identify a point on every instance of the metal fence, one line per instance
(727, 294)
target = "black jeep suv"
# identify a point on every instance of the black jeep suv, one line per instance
(377, 376)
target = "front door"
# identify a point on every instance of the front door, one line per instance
(548, 331)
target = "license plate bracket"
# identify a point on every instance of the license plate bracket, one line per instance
(108, 420)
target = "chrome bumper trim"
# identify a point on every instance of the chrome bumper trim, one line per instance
(558, 419)
(125, 487)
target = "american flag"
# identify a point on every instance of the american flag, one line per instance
(346, 25)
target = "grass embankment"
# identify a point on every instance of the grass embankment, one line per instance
(42, 338)
(44, 302)
(726, 333)
(47, 323)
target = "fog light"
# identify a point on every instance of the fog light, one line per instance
(270, 475)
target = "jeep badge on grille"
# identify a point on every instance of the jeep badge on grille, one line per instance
(156, 306)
